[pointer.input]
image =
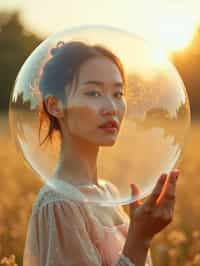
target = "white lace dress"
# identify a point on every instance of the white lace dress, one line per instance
(63, 232)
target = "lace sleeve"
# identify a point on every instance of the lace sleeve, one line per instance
(125, 261)
(58, 236)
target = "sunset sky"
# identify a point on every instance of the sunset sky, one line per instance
(169, 23)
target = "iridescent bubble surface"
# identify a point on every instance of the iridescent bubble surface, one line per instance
(81, 79)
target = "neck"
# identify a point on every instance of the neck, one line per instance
(77, 163)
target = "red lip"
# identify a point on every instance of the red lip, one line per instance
(109, 123)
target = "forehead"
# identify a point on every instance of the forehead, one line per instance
(99, 68)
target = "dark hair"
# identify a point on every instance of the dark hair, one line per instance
(60, 70)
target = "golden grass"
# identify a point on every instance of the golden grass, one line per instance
(177, 245)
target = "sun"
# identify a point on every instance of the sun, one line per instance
(175, 33)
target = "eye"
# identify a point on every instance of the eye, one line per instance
(93, 93)
(119, 94)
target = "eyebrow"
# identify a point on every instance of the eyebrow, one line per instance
(100, 83)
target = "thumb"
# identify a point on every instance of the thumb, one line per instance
(135, 192)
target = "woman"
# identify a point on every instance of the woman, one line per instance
(90, 82)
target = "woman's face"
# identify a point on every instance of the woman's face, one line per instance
(96, 102)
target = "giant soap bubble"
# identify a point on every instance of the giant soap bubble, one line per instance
(95, 109)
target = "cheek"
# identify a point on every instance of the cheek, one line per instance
(122, 109)
(81, 117)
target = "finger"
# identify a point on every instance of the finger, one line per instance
(135, 192)
(168, 194)
(151, 200)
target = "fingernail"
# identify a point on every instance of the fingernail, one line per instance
(177, 174)
(132, 187)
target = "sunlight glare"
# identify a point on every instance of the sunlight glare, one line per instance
(175, 33)
(159, 56)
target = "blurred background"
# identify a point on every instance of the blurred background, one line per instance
(176, 28)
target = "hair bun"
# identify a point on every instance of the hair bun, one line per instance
(59, 45)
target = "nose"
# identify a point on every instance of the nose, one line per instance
(109, 107)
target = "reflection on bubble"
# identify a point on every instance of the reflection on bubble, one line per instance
(72, 84)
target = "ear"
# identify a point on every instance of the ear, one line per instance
(54, 107)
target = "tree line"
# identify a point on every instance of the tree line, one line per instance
(16, 43)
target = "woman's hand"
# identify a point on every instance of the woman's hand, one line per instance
(150, 217)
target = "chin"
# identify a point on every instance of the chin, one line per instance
(107, 143)
(104, 142)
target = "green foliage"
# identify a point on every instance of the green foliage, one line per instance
(16, 43)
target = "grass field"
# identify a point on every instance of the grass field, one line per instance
(177, 245)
